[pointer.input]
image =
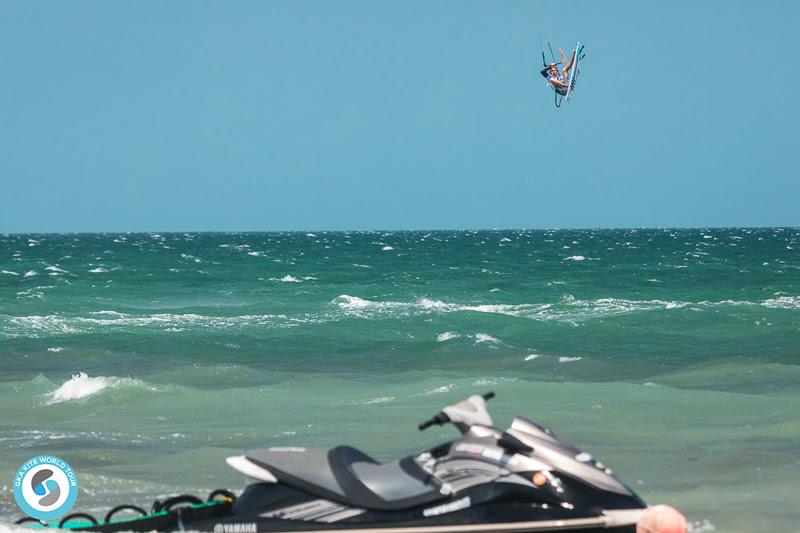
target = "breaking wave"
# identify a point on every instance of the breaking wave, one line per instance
(81, 386)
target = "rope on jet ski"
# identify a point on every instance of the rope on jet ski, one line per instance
(227, 496)
(123, 507)
(26, 519)
(78, 515)
(218, 495)
(167, 504)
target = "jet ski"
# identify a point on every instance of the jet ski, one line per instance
(522, 479)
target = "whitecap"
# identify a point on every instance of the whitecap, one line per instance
(575, 258)
(782, 302)
(568, 359)
(98, 270)
(31, 273)
(289, 279)
(485, 337)
(446, 336)
(345, 301)
(81, 386)
(701, 527)
(55, 349)
(438, 305)
(439, 390)
(483, 382)
(9, 272)
(361, 266)
(387, 248)
(55, 269)
(531, 357)
(372, 401)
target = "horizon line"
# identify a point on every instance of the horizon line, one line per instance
(576, 228)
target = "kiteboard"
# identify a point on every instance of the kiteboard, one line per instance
(573, 73)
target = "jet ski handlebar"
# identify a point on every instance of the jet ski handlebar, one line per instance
(443, 418)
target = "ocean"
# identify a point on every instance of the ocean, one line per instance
(145, 359)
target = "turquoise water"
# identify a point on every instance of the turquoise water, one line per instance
(145, 359)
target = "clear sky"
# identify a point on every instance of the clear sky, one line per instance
(148, 115)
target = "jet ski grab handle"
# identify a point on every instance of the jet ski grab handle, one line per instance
(442, 417)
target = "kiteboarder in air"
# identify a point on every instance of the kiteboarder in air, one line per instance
(562, 81)
(559, 80)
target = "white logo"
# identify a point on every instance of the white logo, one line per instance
(243, 527)
(457, 505)
(45, 487)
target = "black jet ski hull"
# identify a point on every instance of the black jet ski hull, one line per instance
(523, 479)
(218, 517)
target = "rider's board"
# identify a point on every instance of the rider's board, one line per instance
(573, 73)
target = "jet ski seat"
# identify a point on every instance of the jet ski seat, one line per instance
(347, 475)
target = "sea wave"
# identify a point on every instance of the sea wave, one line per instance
(81, 386)
(486, 338)
(446, 336)
(568, 309)
(782, 302)
(38, 326)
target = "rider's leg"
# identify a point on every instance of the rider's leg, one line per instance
(565, 70)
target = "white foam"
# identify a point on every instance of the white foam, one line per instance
(439, 390)
(446, 336)
(81, 386)
(568, 359)
(55, 349)
(382, 399)
(436, 305)
(31, 273)
(9, 272)
(387, 248)
(289, 279)
(575, 258)
(55, 269)
(483, 382)
(256, 254)
(782, 302)
(43, 326)
(485, 337)
(310, 235)
(98, 270)
(345, 301)
(361, 266)
(531, 357)
(702, 527)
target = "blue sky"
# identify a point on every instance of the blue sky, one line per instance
(263, 115)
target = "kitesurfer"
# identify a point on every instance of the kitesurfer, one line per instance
(559, 80)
